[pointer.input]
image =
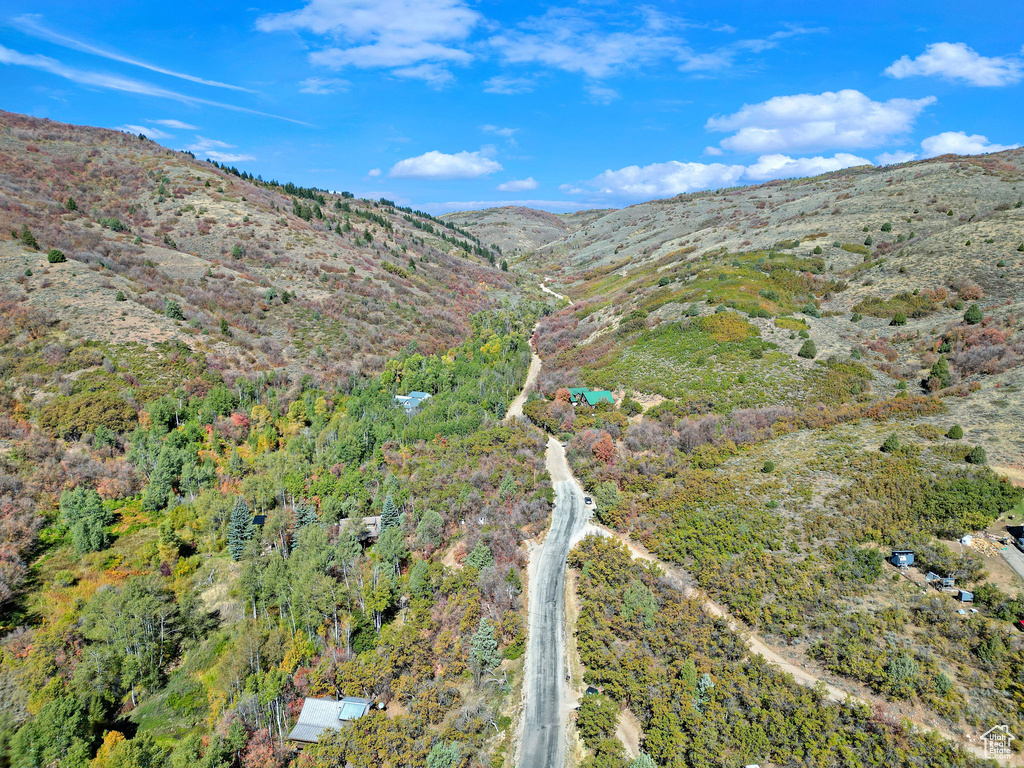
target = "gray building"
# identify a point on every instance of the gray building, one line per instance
(320, 714)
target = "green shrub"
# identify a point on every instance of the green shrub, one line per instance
(664, 280)
(72, 417)
(810, 309)
(976, 455)
(868, 240)
(769, 467)
(940, 371)
(887, 227)
(71, 205)
(898, 319)
(808, 350)
(27, 238)
(28, 272)
(890, 445)
(817, 250)
(120, 296)
(1001, 263)
(973, 315)
(172, 309)
(955, 432)
(55, 256)
(804, 335)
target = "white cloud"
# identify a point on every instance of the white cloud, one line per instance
(509, 86)
(117, 82)
(373, 173)
(805, 122)
(175, 124)
(957, 61)
(675, 178)
(437, 165)
(599, 94)
(323, 86)
(506, 133)
(518, 185)
(211, 148)
(30, 24)
(892, 158)
(959, 143)
(416, 38)
(152, 133)
(785, 167)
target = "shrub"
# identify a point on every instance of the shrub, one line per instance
(27, 238)
(55, 256)
(72, 417)
(769, 467)
(808, 350)
(856, 317)
(940, 371)
(817, 250)
(887, 227)
(71, 205)
(1001, 263)
(891, 444)
(976, 455)
(804, 335)
(665, 280)
(28, 272)
(973, 315)
(810, 309)
(868, 240)
(172, 309)
(955, 432)
(120, 296)
(898, 319)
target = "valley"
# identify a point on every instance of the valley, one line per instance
(263, 444)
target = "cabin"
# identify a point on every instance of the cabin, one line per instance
(575, 393)
(901, 558)
(593, 397)
(412, 401)
(372, 525)
(318, 715)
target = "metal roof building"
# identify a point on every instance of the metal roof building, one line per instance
(593, 397)
(320, 714)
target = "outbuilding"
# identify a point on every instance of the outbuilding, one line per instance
(319, 715)
(901, 557)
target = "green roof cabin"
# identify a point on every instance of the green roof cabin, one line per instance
(575, 392)
(598, 396)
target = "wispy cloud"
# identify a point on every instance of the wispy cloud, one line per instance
(150, 131)
(509, 86)
(556, 206)
(323, 86)
(518, 185)
(31, 24)
(213, 149)
(177, 125)
(118, 83)
(412, 38)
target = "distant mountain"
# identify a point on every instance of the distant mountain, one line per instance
(266, 275)
(518, 230)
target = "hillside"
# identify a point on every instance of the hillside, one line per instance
(517, 230)
(266, 276)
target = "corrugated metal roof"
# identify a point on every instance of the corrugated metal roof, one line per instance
(599, 396)
(318, 715)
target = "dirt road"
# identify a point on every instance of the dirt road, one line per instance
(543, 726)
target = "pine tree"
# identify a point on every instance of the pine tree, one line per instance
(973, 315)
(940, 371)
(390, 517)
(27, 238)
(305, 514)
(483, 650)
(71, 205)
(240, 529)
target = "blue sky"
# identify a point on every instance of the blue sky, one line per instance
(453, 104)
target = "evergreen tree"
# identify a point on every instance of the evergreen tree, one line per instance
(941, 372)
(973, 315)
(27, 238)
(808, 350)
(444, 755)
(955, 432)
(71, 205)
(891, 444)
(81, 510)
(643, 761)
(305, 514)
(480, 557)
(390, 517)
(240, 529)
(172, 309)
(483, 650)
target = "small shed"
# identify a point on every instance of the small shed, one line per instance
(965, 596)
(931, 577)
(901, 557)
(947, 582)
(598, 396)
(318, 715)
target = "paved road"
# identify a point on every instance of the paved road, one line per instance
(544, 726)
